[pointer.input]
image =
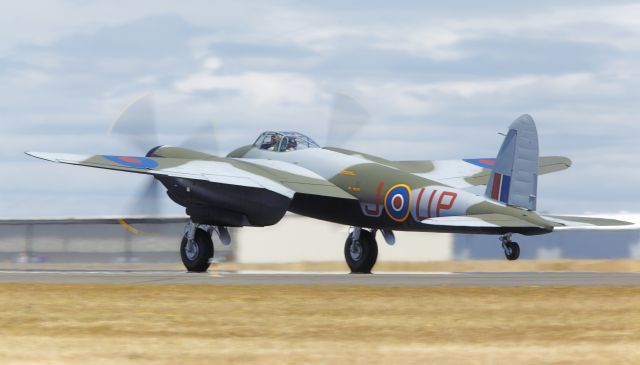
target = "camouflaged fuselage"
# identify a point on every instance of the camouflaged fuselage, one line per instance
(254, 187)
(387, 196)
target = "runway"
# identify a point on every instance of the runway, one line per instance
(466, 279)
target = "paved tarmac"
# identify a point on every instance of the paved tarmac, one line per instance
(163, 277)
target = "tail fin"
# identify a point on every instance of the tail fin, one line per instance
(514, 179)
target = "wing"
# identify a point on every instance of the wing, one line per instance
(588, 223)
(280, 177)
(481, 221)
(471, 172)
(501, 221)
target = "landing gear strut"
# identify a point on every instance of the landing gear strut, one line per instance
(361, 251)
(196, 248)
(511, 249)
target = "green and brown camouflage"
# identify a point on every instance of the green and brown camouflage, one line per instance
(339, 185)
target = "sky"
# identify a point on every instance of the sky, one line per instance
(440, 80)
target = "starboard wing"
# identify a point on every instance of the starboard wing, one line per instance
(588, 223)
(547, 222)
(280, 177)
(481, 221)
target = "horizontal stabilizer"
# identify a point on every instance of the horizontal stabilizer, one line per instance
(547, 165)
(469, 172)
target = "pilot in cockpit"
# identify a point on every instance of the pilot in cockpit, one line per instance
(292, 145)
(272, 145)
(284, 142)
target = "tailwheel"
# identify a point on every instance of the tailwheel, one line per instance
(196, 253)
(361, 251)
(511, 249)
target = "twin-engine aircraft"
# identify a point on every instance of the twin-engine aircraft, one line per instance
(256, 185)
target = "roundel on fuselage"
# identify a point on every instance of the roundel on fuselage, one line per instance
(397, 202)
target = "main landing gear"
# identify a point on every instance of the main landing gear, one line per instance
(511, 249)
(196, 248)
(361, 251)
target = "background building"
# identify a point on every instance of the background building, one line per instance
(294, 239)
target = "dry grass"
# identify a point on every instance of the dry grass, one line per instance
(459, 266)
(454, 266)
(115, 324)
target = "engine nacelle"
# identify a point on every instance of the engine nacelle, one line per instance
(220, 204)
(227, 205)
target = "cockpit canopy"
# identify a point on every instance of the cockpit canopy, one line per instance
(284, 141)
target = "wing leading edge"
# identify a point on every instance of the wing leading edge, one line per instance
(280, 177)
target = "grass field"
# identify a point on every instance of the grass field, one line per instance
(458, 266)
(112, 324)
(455, 266)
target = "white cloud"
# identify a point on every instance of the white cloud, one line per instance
(28, 79)
(319, 28)
(438, 44)
(45, 21)
(442, 39)
(212, 63)
(413, 98)
(253, 66)
(259, 88)
(610, 25)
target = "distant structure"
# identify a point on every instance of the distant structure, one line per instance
(294, 239)
(93, 243)
(301, 239)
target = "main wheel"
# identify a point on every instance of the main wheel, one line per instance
(197, 255)
(512, 251)
(361, 255)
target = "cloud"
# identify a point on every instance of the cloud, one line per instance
(414, 99)
(212, 63)
(440, 80)
(255, 87)
(436, 44)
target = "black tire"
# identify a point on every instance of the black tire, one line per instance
(363, 261)
(198, 261)
(514, 247)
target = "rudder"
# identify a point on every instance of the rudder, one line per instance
(514, 179)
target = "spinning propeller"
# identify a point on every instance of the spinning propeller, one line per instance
(347, 118)
(137, 126)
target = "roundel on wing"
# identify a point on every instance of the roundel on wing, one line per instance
(397, 202)
(136, 162)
